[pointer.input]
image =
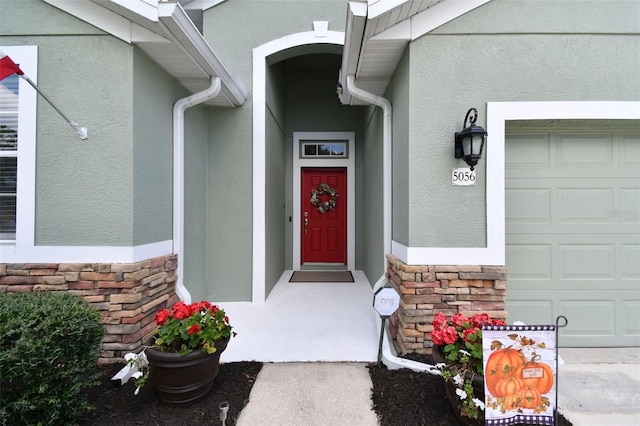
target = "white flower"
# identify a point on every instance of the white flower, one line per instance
(462, 351)
(137, 390)
(441, 365)
(458, 380)
(130, 356)
(462, 394)
(137, 374)
(479, 404)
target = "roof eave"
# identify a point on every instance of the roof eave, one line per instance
(164, 32)
(381, 33)
(182, 31)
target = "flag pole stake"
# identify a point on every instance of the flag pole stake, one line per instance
(561, 321)
(81, 131)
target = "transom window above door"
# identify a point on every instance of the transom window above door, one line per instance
(324, 149)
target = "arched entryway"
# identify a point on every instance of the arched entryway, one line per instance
(277, 67)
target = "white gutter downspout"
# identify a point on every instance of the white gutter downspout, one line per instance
(387, 136)
(389, 358)
(178, 176)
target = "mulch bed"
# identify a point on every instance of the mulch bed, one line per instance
(118, 406)
(407, 398)
(400, 398)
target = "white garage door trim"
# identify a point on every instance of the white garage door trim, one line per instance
(498, 113)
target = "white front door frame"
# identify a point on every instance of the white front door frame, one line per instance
(260, 55)
(349, 163)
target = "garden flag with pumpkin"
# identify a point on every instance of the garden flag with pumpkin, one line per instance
(519, 374)
(8, 67)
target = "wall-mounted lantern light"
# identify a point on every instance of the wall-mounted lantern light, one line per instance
(470, 141)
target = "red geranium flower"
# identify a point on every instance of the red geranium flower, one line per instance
(184, 328)
(162, 316)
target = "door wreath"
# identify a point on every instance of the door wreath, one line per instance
(316, 198)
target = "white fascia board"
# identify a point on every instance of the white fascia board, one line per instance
(438, 15)
(380, 7)
(97, 16)
(208, 4)
(179, 27)
(131, 9)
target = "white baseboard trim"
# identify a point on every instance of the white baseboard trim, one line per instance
(85, 254)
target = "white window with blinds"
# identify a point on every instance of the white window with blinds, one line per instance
(9, 93)
(17, 156)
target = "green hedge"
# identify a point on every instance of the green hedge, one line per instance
(49, 346)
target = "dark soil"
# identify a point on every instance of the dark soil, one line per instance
(118, 406)
(400, 397)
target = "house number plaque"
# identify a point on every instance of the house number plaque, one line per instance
(463, 177)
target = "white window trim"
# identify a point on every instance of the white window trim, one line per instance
(27, 58)
(24, 250)
(498, 113)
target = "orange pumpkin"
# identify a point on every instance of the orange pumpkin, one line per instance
(512, 401)
(501, 365)
(541, 377)
(508, 386)
(529, 397)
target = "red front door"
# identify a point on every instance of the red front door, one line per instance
(324, 215)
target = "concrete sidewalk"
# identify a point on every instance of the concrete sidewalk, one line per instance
(597, 387)
(600, 386)
(310, 394)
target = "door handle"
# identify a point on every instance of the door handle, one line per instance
(306, 223)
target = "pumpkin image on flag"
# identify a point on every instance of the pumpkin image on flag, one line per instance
(516, 378)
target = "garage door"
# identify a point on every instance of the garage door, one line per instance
(573, 229)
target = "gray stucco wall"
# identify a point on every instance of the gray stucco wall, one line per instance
(399, 94)
(504, 51)
(76, 63)
(84, 189)
(195, 203)
(371, 209)
(229, 203)
(276, 170)
(154, 93)
(114, 189)
(235, 27)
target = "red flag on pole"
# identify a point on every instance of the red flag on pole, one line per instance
(8, 67)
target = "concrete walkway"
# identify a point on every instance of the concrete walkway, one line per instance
(310, 394)
(316, 338)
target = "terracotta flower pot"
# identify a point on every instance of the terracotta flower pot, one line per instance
(478, 390)
(181, 379)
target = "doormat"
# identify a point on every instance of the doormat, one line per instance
(321, 277)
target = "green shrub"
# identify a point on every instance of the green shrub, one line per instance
(49, 346)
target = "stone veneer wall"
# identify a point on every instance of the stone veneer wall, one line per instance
(127, 295)
(426, 289)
